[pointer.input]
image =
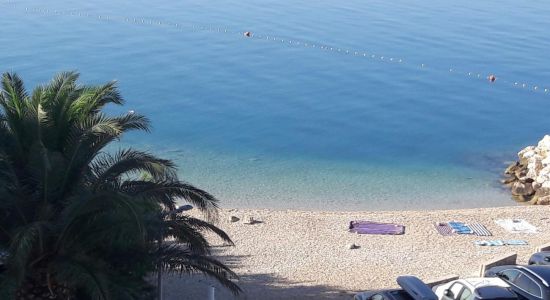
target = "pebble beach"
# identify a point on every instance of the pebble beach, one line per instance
(305, 254)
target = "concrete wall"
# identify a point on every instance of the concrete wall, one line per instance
(545, 247)
(441, 280)
(509, 259)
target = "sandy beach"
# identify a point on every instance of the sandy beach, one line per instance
(303, 254)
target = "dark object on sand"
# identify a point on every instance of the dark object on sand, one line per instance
(369, 227)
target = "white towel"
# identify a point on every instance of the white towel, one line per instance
(516, 226)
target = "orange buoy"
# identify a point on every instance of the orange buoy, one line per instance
(492, 78)
(247, 33)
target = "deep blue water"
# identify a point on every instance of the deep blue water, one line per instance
(273, 123)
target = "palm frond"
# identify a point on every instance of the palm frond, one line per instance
(131, 162)
(204, 226)
(22, 244)
(132, 121)
(94, 98)
(13, 94)
(83, 273)
(177, 259)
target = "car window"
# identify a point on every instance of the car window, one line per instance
(455, 290)
(466, 295)
(509, 275)
(527, 284)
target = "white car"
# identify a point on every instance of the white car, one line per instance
(474, 289)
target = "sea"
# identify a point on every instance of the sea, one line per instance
(322, 105)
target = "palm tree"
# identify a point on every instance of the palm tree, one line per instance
(80, 222)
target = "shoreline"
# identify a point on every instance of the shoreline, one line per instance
(296, 254)
(515, 204)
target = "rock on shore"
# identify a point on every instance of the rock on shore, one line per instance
(529, 177)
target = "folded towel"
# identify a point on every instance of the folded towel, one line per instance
(501, 243)
(460, 228)
(490, 243)
(443, 229)
(516, 226)
(516, 242)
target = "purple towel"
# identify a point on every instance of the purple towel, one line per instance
(369, 227)
(443, 229)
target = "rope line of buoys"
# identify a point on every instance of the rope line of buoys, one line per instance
(490, 78)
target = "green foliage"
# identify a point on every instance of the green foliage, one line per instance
(77, 217)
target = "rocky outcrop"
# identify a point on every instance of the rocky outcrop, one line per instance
(529, 177)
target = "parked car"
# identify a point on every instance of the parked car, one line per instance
(412, 289)
(530, 282)
(475, 289)
(540, 258)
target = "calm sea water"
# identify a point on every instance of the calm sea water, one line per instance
(263, 123)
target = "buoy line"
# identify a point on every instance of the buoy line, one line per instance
(489, 78)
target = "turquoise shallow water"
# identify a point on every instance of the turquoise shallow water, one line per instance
(271, 123)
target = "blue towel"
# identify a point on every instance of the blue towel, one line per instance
(501, 243)
(516, 242)
(460, 228)
(490, 243)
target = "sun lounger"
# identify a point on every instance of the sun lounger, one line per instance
(502, 243)
(443, 229)
(516, 226)
(369, 227)
(479, 229)
(460, 228)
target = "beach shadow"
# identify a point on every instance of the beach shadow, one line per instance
(254, 286)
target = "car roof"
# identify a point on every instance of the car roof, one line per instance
(479, 282)
(494, 292)
(542, 272)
